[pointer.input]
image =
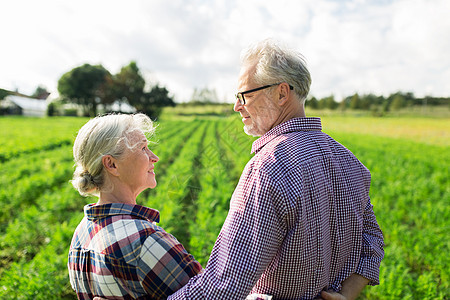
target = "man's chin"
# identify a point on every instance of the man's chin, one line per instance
(250, 130)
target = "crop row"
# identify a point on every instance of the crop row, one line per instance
(38, 241)
(200, 163)
(411, 193)
(23, 187)
(22, 136)
(31, 164)
(174, 196)
(215, 189)
(41, 234)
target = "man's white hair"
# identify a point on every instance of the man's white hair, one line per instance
(277, 63)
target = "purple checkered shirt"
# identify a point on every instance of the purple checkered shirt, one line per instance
(300, 221)
(118, 252)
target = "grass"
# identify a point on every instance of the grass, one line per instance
(408, 157)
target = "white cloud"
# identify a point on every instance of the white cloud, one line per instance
(351, 46)
(382, 48)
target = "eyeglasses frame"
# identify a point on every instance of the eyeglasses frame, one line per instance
(256, 89)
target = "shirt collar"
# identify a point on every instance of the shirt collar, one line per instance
(296, 124)
(93, 211)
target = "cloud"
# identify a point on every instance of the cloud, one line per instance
(375, 47)
(351, 46)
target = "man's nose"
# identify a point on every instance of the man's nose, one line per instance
(237, 105)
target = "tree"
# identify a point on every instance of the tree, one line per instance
(328, 102)
(355, 101)
(398, 101)
(151, 103)
(4, 93)
(40, 93)
(87, 86)
(129, 84)
(366, 101)
(312, 103)
(204, 95)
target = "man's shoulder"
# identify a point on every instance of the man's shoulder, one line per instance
(292, 148)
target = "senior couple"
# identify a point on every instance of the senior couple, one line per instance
(300, 223)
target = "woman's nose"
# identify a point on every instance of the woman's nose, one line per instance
(153, 157)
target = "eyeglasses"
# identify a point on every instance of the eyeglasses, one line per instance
(241, 98)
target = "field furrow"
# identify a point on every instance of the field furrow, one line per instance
(25, 190)
(31, 164)
(216, 187)
(177, 184)
(201, 159)
(411, 197)
(167, 147)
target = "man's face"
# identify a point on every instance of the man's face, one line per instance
(260, 110)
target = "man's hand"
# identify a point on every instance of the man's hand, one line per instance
(351, 288)
(330, 296)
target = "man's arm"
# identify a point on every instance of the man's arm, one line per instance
(351, 288)
(248, 241)
(372, 251)
(164, 265)
(369, 265)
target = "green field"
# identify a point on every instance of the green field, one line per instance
(201, 158)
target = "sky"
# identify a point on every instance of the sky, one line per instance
(351, 46)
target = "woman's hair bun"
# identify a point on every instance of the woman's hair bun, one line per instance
(84, 182)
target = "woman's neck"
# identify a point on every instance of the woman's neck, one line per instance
(116, 197)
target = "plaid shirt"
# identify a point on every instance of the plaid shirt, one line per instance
(300, 221)
(118, 252)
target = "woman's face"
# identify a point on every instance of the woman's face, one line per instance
(136, 166)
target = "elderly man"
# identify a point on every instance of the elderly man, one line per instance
(301, 224)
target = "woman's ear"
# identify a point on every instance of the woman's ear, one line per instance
(109, 163)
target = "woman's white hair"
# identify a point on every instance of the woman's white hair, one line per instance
(103, 135)
(276, 63)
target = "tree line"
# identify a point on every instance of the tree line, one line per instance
(92, 85)
(376, 104)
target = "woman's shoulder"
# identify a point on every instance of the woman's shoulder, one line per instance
(131, 226)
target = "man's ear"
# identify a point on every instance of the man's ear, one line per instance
(109, 163)
(284, 91)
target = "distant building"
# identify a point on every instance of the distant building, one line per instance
(118, 106)
(77, 110)
(19, 104)
(25, 106)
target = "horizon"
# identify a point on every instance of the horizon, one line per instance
(351, 46)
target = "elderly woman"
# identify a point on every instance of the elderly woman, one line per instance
(117, 251)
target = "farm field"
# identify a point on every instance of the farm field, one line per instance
(201, 159)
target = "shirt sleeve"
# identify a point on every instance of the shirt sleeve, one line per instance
(247, 243)
(372, 251)
(164, 265)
